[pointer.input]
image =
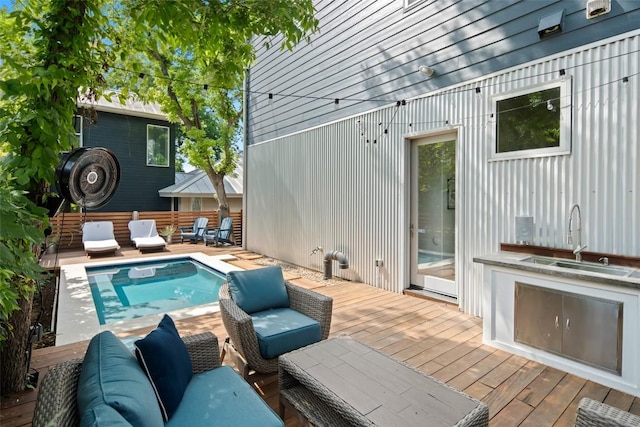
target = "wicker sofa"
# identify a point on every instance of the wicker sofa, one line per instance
(221, 397)
(592, 413)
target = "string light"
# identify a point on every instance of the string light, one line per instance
(562, 72)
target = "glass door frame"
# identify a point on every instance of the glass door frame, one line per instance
(412, 235)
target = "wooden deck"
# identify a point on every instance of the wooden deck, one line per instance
(432, 336)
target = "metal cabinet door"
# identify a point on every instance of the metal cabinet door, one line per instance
(592, 331)
(538, 317)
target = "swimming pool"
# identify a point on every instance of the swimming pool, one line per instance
(77, 317)
(425, 257)
(144, 288)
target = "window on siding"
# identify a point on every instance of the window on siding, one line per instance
(196, 204)
(77, 125)
(409, 3)
(533, 122)
(157, 145)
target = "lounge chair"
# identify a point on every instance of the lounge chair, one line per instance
(222, 234)
(144, 235)
(98, 238)
(266, 316)
(195, 232)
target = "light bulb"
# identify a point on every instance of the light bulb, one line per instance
(427, 71)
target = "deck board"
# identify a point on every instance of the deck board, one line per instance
(432, 336)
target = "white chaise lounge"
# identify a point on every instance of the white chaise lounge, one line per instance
(98, 238)
(144, 235)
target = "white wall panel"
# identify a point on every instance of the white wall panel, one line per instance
(329, 187)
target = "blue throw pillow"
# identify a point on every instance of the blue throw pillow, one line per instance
(258, 290)
(111, 377)
(163, 356)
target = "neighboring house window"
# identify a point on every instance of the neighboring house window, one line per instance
(533, 122)
(196, 204)
(77, 125)
(157, 145)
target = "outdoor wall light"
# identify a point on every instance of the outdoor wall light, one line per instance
(427, 71)
(551, 24)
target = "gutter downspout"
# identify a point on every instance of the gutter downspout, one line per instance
(343, 262)
(245, 153)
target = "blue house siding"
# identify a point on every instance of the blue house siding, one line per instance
(367, 54)
(126, 136)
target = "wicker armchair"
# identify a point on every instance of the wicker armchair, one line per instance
(56, 403)
(592, 413)
(243, 341)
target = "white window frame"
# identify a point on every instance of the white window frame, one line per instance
(411, 3)
(565, 105)
(79, 134)
(167, 149)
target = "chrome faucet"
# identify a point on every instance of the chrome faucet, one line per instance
(577, 251)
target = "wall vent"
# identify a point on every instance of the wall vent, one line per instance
(597, 8)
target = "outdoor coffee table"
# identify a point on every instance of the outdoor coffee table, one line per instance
(343, 382)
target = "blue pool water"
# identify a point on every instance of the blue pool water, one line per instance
(427, 257)
(127, 291)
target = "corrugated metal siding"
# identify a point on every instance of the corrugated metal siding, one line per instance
(328, 186)
(368, 53)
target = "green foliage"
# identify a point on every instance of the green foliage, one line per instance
(525, 122)
(180, 46)
(20, 231)
(51, 49)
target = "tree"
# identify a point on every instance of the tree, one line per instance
(190, 57)
(50, 49)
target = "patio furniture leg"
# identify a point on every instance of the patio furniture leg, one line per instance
(224, 349)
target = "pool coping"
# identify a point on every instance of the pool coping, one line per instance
(76, 316)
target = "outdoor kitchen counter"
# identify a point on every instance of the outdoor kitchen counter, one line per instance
(517, 261)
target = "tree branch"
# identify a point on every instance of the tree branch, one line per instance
(170, 92)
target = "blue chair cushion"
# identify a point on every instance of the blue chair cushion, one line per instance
(282, 330)
(111, 376)
(165, 359)
(258, 290)
(221, 397)
(103, 415)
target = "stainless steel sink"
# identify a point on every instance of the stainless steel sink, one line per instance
(582, 266)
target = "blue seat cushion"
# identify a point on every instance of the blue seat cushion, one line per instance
(258, 290)
(283, 329)
(103, 415)
(221, 397)
(165, 359)
(111, 376)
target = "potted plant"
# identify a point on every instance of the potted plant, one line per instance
(167, 233)
(52, 244)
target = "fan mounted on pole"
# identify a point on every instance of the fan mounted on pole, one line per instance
(88, 176)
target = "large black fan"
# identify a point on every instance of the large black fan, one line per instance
(88, 177)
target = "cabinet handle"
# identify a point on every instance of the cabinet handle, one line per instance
(568, 324)
(557, 322)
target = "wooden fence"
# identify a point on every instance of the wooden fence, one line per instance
(71, 224)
